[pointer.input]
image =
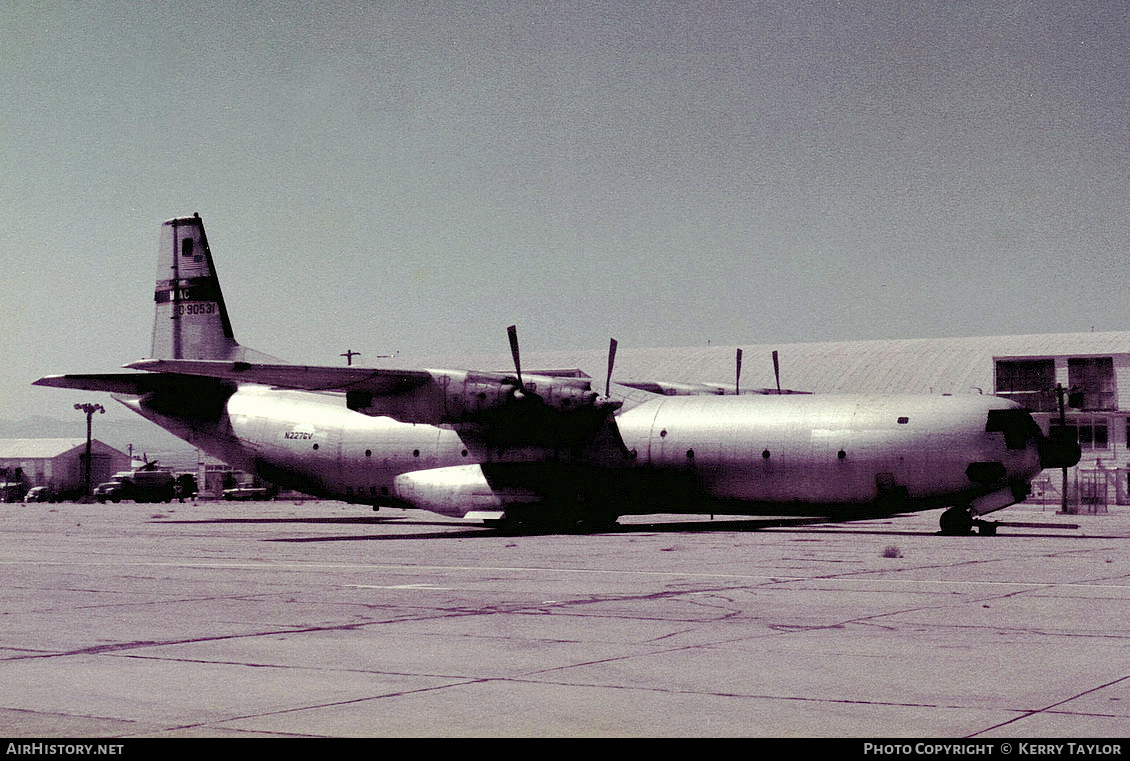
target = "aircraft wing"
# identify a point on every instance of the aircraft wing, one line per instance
(672, 389)
(553, 408)
(326, 378)
(665, 388)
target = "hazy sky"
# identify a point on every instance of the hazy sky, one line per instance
(415, 176)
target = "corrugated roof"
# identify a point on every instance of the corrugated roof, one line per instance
(924, 365)
(35, 449)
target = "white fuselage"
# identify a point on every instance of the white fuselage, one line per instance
(749, 452)
(822, 449)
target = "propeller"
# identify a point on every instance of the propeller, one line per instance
(512, 331)
(738, 377)
(777, 371)
(566, 397)
(611, 363)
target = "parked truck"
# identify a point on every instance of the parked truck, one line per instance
(11, 491)
(12, 487)
(140, 485)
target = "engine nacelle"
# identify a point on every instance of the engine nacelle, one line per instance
(473, 399)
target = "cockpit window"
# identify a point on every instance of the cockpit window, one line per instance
(1016, 425)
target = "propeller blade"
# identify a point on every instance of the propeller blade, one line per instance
(611, 363)
(738, 378)
(777, 371)
(512, 331)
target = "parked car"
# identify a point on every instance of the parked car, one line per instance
(247, 493)
(39, 494)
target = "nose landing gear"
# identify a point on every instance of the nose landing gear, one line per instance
(959, 521)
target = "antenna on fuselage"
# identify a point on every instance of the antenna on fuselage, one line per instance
(738, 376)
(777, 371)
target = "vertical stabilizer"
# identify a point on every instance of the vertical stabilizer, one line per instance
(191, 320)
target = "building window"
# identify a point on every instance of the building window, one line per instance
(1092, 382)
(1028, 382)
(1091, 433)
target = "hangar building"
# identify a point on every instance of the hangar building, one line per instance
(58, 463)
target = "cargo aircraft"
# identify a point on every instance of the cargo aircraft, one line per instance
(544, 448)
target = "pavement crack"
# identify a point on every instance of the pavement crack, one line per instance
(1049, 708)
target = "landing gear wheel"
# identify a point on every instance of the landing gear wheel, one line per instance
(957, 522)
(597, 524)
(986, 528)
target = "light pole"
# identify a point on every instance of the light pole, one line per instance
(89, 409)
(1064, 398)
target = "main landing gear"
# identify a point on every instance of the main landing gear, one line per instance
(550, 522)
(959, 521)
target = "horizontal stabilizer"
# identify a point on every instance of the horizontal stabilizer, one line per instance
(298, 377)
(116, 383)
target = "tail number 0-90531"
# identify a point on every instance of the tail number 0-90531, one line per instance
(207, 307)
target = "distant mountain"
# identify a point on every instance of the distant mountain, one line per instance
(118, 432)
